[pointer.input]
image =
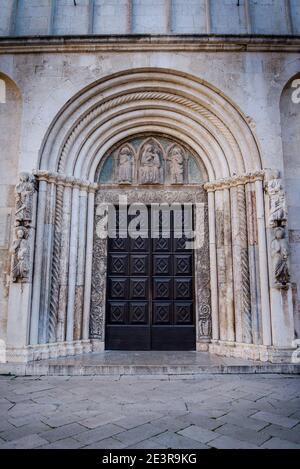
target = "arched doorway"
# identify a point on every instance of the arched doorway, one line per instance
(156, 254)
(67, 308)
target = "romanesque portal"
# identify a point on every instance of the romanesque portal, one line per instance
(135, 139)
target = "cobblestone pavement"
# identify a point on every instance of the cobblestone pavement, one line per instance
(204, 411)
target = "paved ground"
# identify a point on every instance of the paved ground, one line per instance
(218, 411)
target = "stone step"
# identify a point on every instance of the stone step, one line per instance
(146, 363)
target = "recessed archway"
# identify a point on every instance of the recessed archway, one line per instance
(150, 100)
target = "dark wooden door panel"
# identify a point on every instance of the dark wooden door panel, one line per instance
(173, 338)
(150, 292)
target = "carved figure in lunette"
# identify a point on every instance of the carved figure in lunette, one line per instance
(125, 165)
(176, 159)
(150, 165)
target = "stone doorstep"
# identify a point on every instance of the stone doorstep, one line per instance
(63, 369)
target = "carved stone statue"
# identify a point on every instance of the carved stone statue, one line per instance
(125, 165)
(277, 207)
(176, 159)
(20, 252)
(280, 253)
(24, 197)
(150, 165)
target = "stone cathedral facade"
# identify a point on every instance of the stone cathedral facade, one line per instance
(107, 105)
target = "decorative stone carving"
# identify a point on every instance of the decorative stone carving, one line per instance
(150, 163)
(280, 253)
(20, 253)
(97, 312)
(234, 181)
(203, 277)
(277, 201)
(176, 159)
(24, 197)
(20, 249)
(126, 158)
(150, 160)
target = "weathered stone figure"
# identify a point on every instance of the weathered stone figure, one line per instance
(278, 211)
(176, 159)
(24, 197)
(20, 252)
(125, 165)
(150, 165)
(280, 253)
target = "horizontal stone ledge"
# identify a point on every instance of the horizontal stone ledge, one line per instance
(147, 42)
(63, 180)
(234, 181)
(71, 181)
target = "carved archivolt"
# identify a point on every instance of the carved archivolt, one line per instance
(147, 95)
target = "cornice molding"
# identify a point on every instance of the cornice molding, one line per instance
(66, 181)
(234, 181)
(140, 43)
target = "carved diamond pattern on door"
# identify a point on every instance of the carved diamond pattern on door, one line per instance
(117, 244)
(162, 313)
(117, 313)
(139, 244)
(183, 264)
(161, 264)
(138, 313)
(161, 244)
(119, 264)
(138, 288)
(118, 288)
(139, 264)
(180, 243)
(150, 293)
(183, 288)
(183, 313)
(162, 288)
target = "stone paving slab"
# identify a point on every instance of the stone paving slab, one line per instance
(208, 411)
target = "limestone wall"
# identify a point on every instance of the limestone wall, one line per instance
(64, 17)
(252, 81)
(10, 121)
(290, 122)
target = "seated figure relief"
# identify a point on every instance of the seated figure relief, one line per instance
(150, 165)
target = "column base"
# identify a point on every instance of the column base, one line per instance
(263, 353)
(53, 350)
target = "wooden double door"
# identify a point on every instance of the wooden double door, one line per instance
(150, 290)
